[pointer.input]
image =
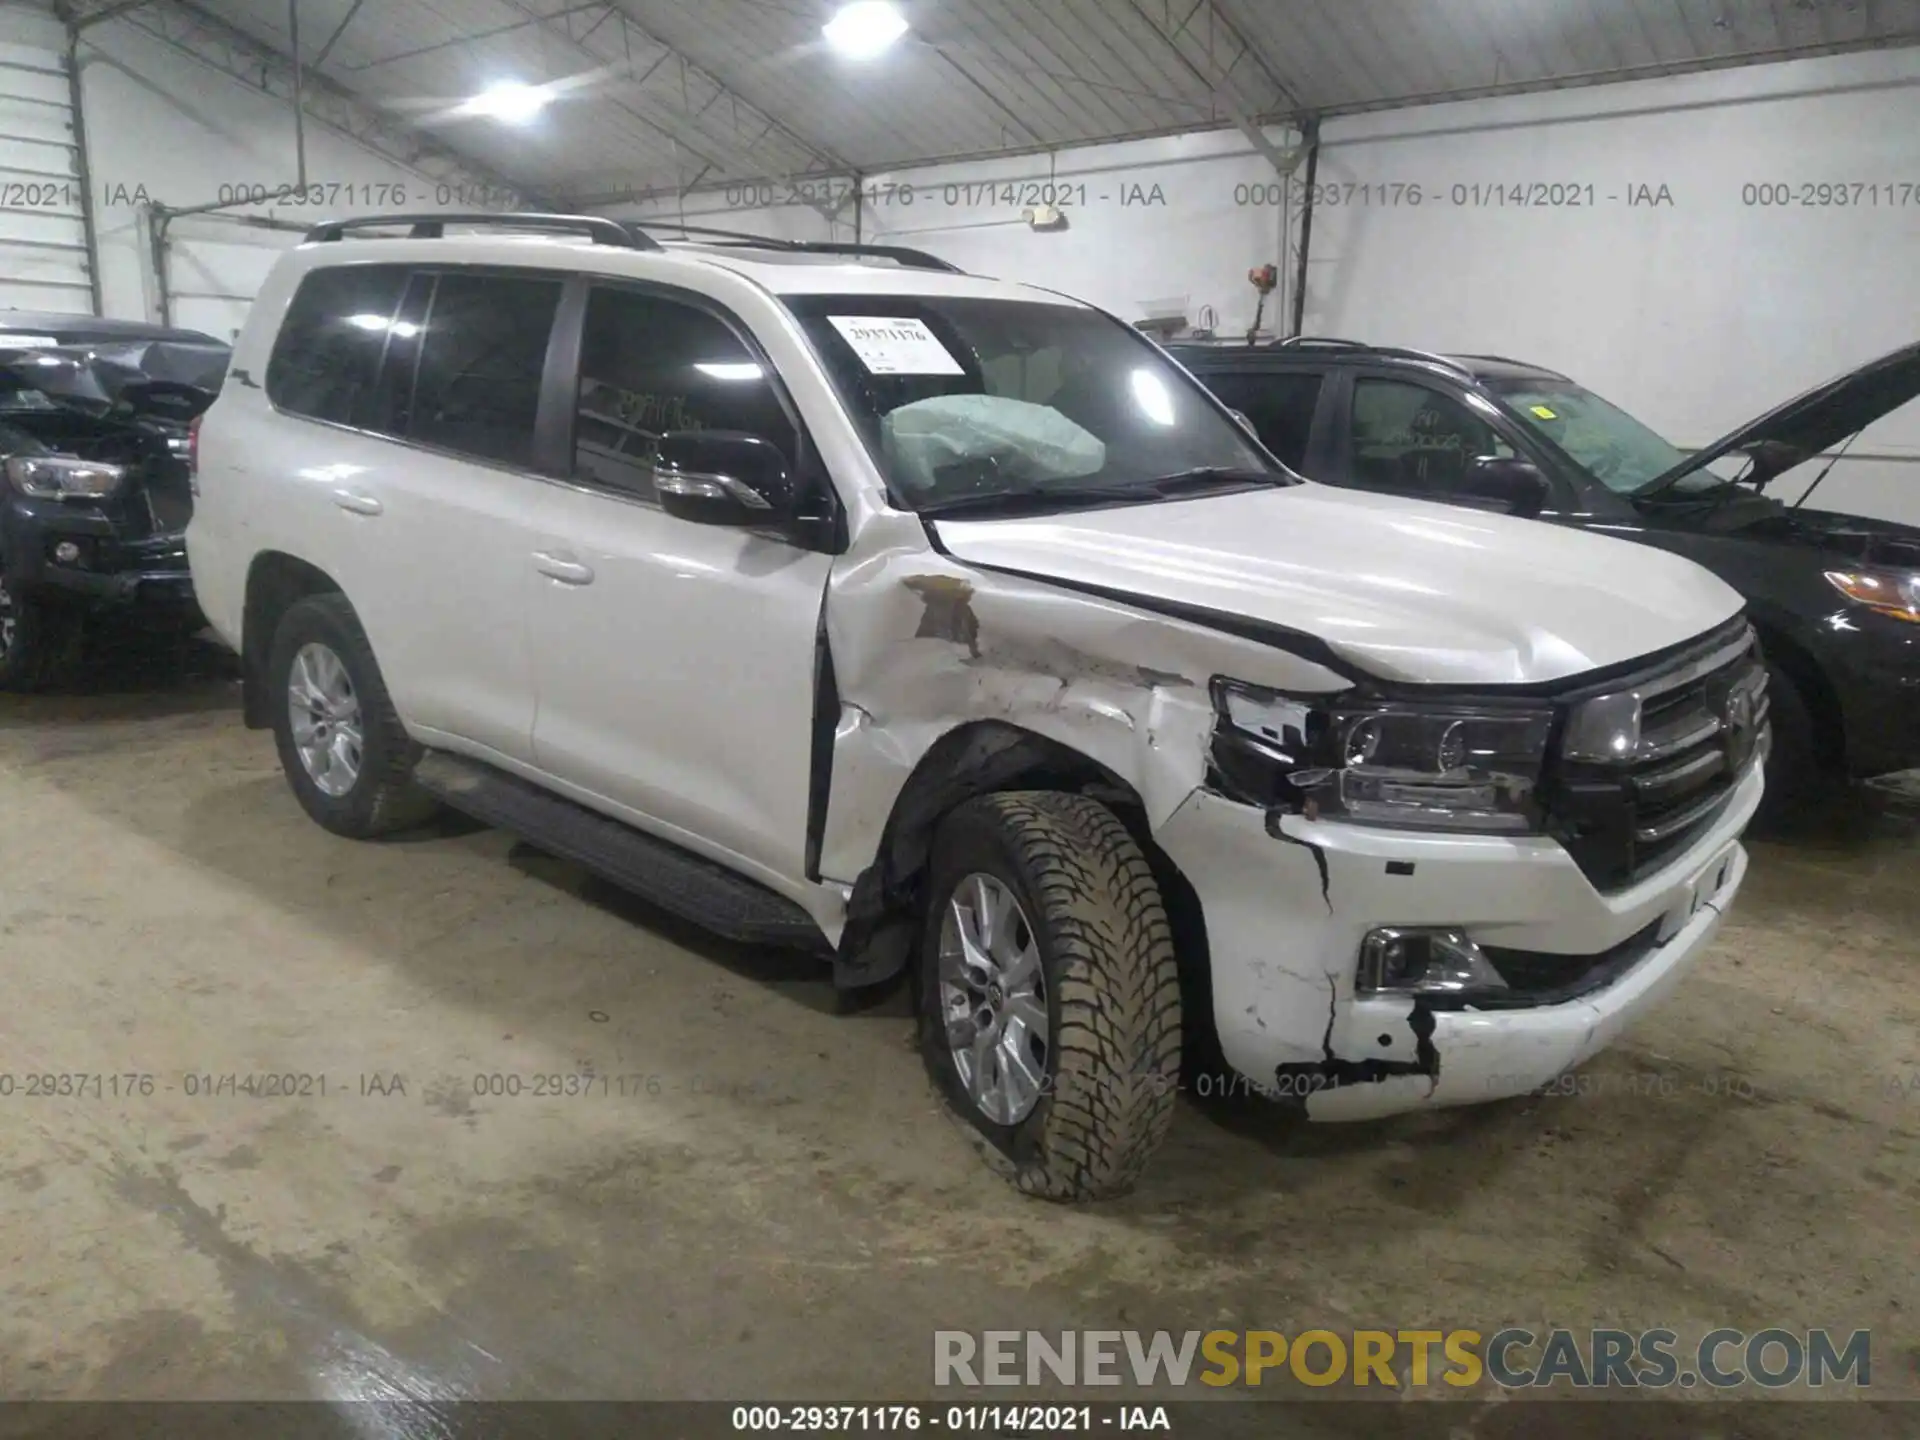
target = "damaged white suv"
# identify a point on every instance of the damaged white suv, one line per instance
(832, 597)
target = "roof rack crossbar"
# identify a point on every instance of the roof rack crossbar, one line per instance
(597, 228)
(899, 254)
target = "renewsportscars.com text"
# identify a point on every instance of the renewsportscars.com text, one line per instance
(1511, 1358)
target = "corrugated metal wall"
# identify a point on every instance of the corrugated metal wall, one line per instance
(43, 251)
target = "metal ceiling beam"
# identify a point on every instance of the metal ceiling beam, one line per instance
(187, 28)
(1216, 79)
(610, 40)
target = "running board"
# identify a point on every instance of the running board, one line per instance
(657, 871)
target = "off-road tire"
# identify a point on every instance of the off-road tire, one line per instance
(1112, 988)
(383, 797)
(46, 644)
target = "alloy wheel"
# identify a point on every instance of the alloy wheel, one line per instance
(325, 715)
(993, 999)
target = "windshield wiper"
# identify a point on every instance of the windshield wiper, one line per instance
(1037, 502)
(1208, 476)
(1040, 501)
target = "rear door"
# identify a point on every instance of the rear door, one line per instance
(677, 662)
(417, 490)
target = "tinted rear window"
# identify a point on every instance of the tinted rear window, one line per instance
(326, 359)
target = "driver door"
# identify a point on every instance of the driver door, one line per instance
(676, 660)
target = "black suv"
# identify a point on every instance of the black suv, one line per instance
(95, 429)
(1836, 598)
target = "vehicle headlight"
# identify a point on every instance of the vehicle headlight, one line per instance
(1416, 764)
(61, 477)
(1891, 592)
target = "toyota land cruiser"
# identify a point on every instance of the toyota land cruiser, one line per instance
(835, 598)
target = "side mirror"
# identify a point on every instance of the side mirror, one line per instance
(1514, 486)
(722, 477)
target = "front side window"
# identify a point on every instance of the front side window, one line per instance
(326, 359)
(1604, 440)
(972, 400)
(649, 365)
(482, 350)
(1411, 439)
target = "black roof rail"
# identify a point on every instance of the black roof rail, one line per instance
(1509, 360)
(597, 228)
(899, 254)
(1391, 352)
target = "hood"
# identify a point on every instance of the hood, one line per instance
(1803, 427)
(1403, 590)
(155, 380)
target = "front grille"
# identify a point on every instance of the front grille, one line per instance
(1646, 766)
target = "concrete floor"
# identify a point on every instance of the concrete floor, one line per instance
(780, 1208)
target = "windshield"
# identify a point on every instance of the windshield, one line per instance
(1603, 439)
(966, 400)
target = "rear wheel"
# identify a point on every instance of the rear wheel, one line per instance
(1049, 997)
(345, 753)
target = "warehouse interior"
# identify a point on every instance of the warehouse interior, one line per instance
(1696, 208)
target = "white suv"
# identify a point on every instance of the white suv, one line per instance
(832, 597)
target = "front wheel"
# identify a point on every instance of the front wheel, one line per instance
(1049, 996)
(1800, 777)
(37, 640)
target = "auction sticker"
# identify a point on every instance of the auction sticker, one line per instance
(895, 346)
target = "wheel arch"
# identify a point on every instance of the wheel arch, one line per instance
(980, 757)
(1798, 664)
(275, 582)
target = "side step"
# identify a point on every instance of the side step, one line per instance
(657, 871)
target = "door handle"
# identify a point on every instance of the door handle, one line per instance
(559, 567)
(356, 502)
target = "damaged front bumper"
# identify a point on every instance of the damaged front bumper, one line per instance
(1287, 903)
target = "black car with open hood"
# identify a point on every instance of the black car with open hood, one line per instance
(1835, 597)
(95, 487)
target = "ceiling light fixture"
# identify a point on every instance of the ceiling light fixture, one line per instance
(510, 101)
(865, 28)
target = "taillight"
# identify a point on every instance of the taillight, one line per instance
(193, 446)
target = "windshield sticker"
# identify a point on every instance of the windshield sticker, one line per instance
(1544, 412)
(895, 346)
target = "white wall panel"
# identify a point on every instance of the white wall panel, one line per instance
(43, 256)
(1181, 219)
(1695, 312)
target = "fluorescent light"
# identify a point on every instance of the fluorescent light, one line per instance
(864, 28)
(728, 369)
(509, 101)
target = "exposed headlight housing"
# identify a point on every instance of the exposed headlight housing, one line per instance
(1891, 592)
(1438, 764)
(62, 477)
